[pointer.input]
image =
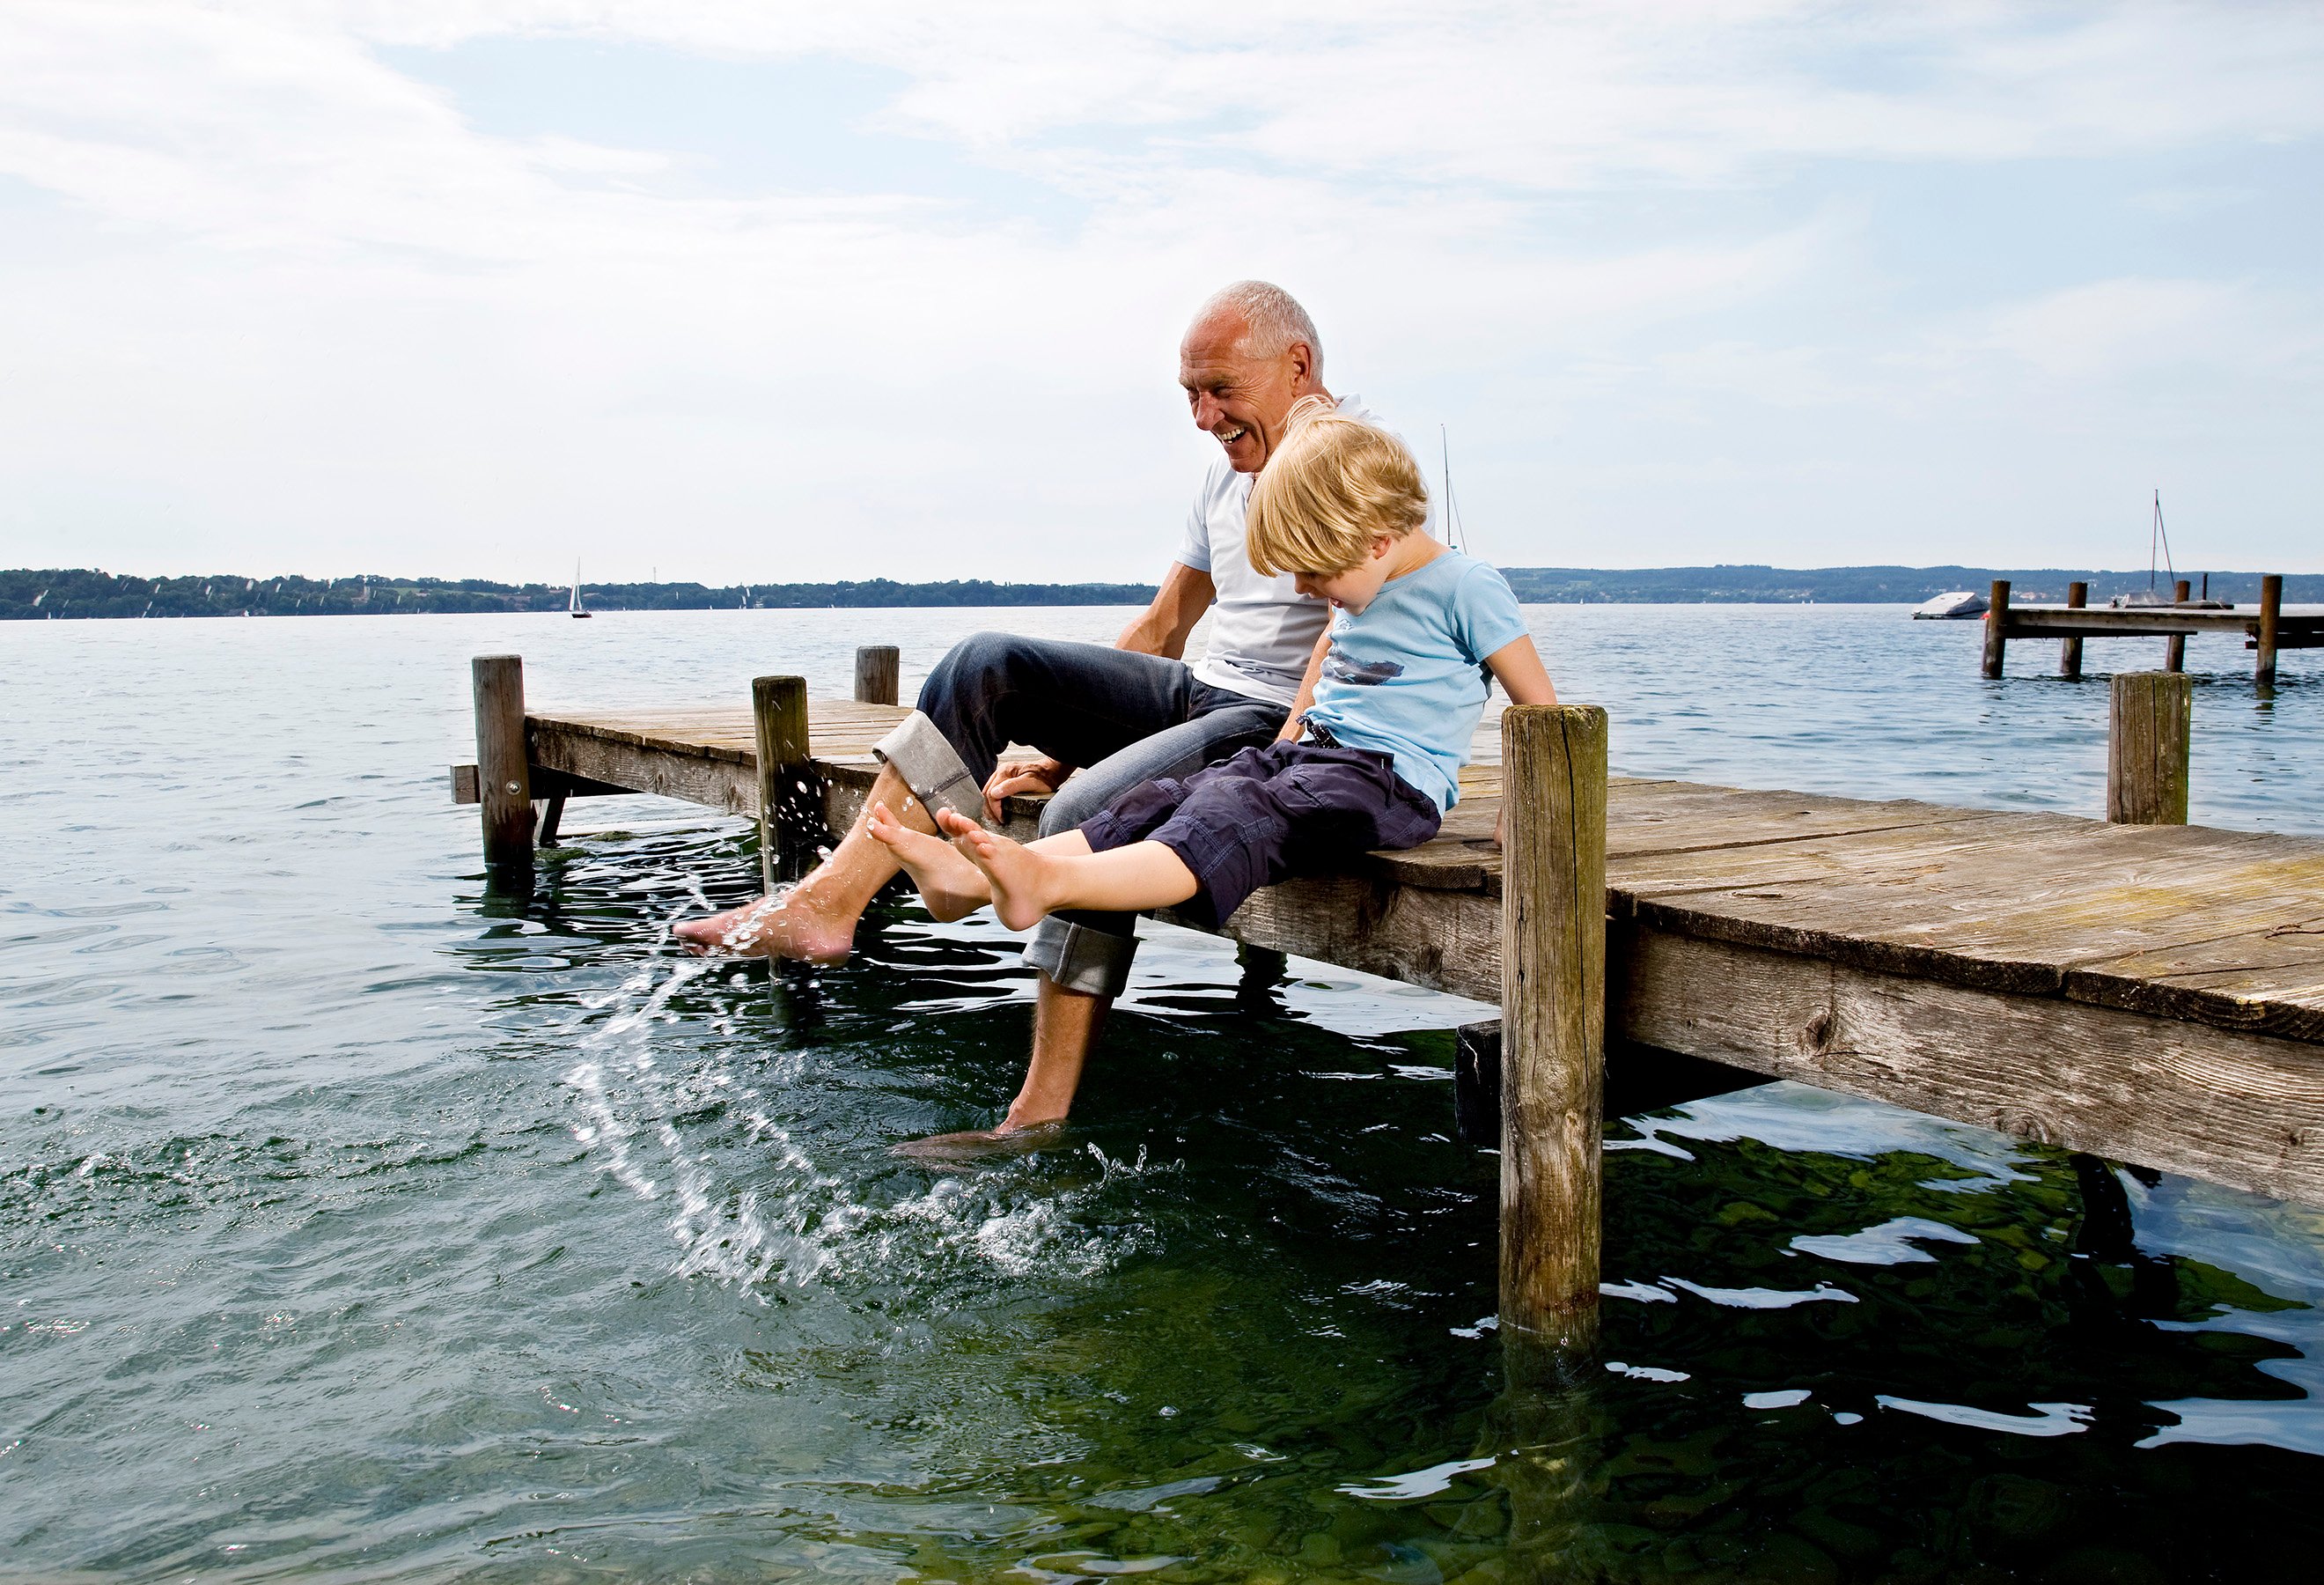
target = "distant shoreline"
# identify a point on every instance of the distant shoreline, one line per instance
(37, 595)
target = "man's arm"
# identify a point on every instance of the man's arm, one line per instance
(1292, 724)
(1160, 629)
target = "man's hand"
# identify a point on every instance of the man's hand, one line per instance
(1025, 775)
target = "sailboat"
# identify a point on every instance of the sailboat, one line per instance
(2158, 546)
(574, 608)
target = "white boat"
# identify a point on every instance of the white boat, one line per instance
(1959, 606)
(574, 608)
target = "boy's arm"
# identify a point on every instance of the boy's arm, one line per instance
(1517, 665)
(1291, 723)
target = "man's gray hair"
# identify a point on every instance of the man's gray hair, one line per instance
(1275, 318)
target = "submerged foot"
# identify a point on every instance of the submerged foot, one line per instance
(784, 924)
(1023, 882)
(979, 1145)
(951, 888)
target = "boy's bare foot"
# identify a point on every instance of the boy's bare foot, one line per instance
(1025, 884)
(978, 1144)
(788, 924)
(950, 886)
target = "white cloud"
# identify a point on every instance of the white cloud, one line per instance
(272, 301)
(2109, 328)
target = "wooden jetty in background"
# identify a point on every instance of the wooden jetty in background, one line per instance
(2136, 989)
(2267, 627)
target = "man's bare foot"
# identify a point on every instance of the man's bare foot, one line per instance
(950, 886)
(1025, 884)
(784, 924)
(979, 1145)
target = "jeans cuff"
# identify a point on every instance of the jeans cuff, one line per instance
(931, 767)
(1076, 958)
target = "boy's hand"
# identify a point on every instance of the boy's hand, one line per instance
(1500, 818)
(1026, 775)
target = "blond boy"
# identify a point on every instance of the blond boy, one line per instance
(1371, 755)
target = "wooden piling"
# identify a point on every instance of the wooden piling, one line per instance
(2270, 616)
(876, 665)
(2174, 648)
(1552, 1018)
(790, 807)
(1476, 1083)
(503, 779)
(1996, 626)
(2069, 650)
(2147, 742)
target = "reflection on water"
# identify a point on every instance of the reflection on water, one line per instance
(357, 1223)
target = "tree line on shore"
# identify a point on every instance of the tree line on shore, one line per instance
(80, 592)
(32, 594)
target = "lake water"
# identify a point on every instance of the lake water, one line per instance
(356, 1225)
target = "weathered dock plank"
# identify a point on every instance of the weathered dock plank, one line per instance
(2300, 622)
(2235, 1108)
(2266, 981)
(710, 755)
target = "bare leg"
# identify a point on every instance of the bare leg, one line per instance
(1065, 1025)
(951, 888)
(815, 921)
(1061, 872)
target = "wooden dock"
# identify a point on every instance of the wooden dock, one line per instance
(2266, 627)
(2148, 993)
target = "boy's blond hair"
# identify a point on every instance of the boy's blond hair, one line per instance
(1332, 485)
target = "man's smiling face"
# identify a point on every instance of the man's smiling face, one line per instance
(1239, 399)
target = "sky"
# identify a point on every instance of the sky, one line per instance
(756, 292)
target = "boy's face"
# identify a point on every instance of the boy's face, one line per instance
(1351, 589)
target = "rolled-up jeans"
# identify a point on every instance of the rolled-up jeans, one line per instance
(1122, 718)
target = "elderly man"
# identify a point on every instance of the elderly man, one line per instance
(1121, 715)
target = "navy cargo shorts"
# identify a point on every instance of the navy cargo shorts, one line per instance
(1266, 815)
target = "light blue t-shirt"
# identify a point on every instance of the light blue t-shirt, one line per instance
(1407, 675)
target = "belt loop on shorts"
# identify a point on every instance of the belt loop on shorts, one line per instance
(931, 767)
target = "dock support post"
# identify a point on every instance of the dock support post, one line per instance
(875, 673)
(791, 808)
(1996, 626)
(2069, 650)
(2147, 742)
(504, 780)
(1553, 1020)
(2175, 651)
(2270, 612)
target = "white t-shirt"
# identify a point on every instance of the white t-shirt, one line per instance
(1262, 630)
